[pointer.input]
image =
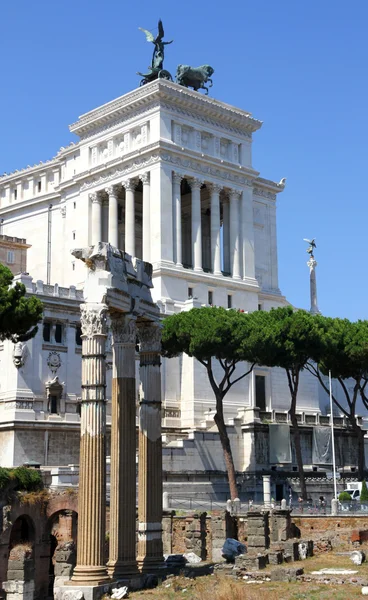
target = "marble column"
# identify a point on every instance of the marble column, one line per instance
(234, 234)
(196, 185)
(215, 229)
(113, 234)
(146, 208)
(150, 550)
(96, 236)
(90, 568)
(247, 222)
(122, 551)
(177, 178)
(129, 185)
(226, 236)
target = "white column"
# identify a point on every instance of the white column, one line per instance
(226, 236)
(177, 218)
(215, 229)
(234, 234)
(96, 218)
(196, 185)
(129, 185)
(113, 237)
(248, 232)
(146, 207)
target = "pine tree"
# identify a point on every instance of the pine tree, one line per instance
(18, 315)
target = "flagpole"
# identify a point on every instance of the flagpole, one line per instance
(333, 438)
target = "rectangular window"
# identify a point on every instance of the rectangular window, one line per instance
(260, 307)
(10, 259)
(261, 392)
(210, 297)
(78, 335)
(74, 205)
(229, 301)
(73, 266)
(73, 235)
(58, 333)
(190, 292)
(53, 405)
(15, 192)
(46, 332)
(39, 186)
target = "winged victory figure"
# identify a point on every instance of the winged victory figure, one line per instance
(156, 68)
(312, 245)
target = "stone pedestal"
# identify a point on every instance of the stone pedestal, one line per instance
(258, 531)
(122, 549)
(90, 569)
(150, 552)
(281, 525)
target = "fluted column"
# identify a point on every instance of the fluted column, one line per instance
(215, 229)
(177, 178)
(96, 236)
(247, 221)
(113, 235)
(234, 234)
(129, 185)
(146, 221)
(150, 550)
(90, 567)
(122, 551)
(196, 185)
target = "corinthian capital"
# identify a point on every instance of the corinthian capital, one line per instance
(177, 178)
(214, 188)
(233, 193)
(93, 319)
(129, 184)
(149, 335)
(123, 329)
(195, 183)
(95, 197)
(111, 190)
(145, 178)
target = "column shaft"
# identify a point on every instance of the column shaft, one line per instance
(196, 224)
(248, 233)
(129, 217)
(90, 567)
(177, 218)
(146, 244)
(122, 550)
(150, 549)
(215, 230)
(113, 235)
(96, 219)
(234, 234)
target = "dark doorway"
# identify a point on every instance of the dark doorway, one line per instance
(53, 545)
(279, 492)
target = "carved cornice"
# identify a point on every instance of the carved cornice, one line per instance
(188, 165)
(93, 320)
(123, 330)
(149, 336)
(264, 193)
(128, 168)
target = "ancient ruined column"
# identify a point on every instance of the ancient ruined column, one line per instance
(150, 552)
(90, 569)
(122, 551)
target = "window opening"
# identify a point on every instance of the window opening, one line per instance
(190, 292)
(53, 405)
(210, 297)
(261, 392)
(229, 301)
(58, 333)
(46, 332)
(78, 335)
(10, 257)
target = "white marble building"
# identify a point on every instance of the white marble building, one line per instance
(165, 174)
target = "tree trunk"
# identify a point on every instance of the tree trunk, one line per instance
(361, 458)
(225, 443)
(299, 456)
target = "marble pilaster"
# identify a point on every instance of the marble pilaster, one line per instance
(177, 178)
(150, 549)
(146, 207)
(234, 234)
(215, 229)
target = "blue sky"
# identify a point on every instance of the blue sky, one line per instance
(301, 67)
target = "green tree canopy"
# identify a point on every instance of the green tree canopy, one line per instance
(289, 338)
(210, 333)
(18, 315)
(345, 354)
